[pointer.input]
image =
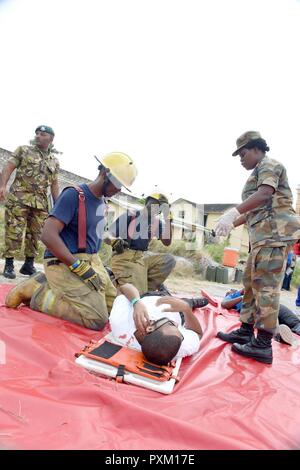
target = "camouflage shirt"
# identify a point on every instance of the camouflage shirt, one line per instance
(275, 223)
(36, 171)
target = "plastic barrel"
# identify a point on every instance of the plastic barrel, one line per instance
(211, 273)
(219, 274)
(238, 276)
(230, 257)
(222, 275)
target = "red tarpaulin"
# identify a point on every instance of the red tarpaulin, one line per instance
(223, 401)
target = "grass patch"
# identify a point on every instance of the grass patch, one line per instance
(296, 277)
(190, 261)
(215, 251)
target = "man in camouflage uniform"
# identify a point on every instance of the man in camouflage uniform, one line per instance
(130, 236)
(26, 205)
(273, 228)
(76, 286)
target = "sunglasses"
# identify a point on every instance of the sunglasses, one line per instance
(161, 322)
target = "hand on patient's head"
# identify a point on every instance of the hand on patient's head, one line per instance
(141, 317)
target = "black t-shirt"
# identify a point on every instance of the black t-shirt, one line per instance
(136, 229)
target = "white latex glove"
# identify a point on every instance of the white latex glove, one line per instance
(225, 223)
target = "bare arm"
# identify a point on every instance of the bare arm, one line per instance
(129, 291)
(179, 305)
(230, 303)
(240, 221)
(55, 189)
(259, 198)
(226, 222)
(50, 237)
(192, 323)
(140, 312)
(6, 173)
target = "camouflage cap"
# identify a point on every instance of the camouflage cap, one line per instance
(47, 129)
(244, 139)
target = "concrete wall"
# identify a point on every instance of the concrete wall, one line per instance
(186, 228)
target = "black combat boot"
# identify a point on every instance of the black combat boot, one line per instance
(196, 302)
(28, 269)
(241, 336)
(9, 270)
(259, 348)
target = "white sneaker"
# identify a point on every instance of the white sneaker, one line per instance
(287, 336)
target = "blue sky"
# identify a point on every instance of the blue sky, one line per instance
(172, 83)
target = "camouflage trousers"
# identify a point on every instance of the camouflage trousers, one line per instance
(19, 219)
(66, 296)
(145, 270)
(262, 281)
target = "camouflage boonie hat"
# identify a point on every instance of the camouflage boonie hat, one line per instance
(244, 139)
(47, 129)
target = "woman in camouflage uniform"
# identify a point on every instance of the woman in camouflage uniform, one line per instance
(273, 228)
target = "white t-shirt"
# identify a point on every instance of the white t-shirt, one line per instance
(123, 326)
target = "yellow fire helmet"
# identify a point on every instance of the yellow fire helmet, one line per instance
(121, 169)
(160, 197)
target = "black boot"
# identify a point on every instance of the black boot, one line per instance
(28, 269)
(196, 302)
(259, 348)
(242, 336)
(9, 271)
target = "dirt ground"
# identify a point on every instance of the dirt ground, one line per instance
(177, 285)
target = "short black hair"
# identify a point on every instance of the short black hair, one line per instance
(260, 144)
(159, 348)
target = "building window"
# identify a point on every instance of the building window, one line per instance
(181, 214)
